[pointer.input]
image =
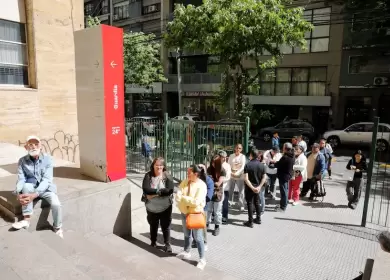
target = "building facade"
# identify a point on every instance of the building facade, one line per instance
(365, 74)
(37, 71)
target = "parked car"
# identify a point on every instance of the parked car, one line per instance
(146, 125)
(360, 134)
(288, 129)
(194, 118)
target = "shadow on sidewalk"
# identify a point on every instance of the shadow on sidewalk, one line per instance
(349, 229)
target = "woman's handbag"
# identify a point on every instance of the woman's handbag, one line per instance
(195, 220)
(218, 193)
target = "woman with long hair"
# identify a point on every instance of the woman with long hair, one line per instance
(237, 163)
(191, 199)
(158, 189)
(218, 174)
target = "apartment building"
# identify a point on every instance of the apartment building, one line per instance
(365, 73)
(37, 69)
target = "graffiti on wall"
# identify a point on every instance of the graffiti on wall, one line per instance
(62, 145)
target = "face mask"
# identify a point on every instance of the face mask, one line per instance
(33, 153)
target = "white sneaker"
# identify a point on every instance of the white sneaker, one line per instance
(201, 264)
(59, 232)
(184, 255)
(295, 203)
(291, 201)
(21, 224)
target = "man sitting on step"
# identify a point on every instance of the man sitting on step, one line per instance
(35, 180)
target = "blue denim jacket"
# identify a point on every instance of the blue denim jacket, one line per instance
(40, 170)
(320, 166)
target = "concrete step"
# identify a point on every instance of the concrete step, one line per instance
(94, 261)
(30, 259)
(165, 264)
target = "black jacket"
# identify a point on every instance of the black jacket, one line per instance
(361, 165)
(168, 181)
(285, 166)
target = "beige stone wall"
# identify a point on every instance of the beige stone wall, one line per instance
(48, 108)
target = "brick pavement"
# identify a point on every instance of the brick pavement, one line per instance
(315, 240)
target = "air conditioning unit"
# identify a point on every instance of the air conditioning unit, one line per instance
(152, 8)
(381, 81)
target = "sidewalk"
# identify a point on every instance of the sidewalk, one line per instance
(322, 241)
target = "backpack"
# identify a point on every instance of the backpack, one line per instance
(318, 189)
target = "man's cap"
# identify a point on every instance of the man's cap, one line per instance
(288, 145)
(222, 153)
(33, 137)
(275, 148)
(301, 148)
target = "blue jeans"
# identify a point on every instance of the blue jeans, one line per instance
(283, 187)
(198, 235)
(51, 198)
(262, 199)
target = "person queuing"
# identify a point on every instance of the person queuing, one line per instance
(300, 175)
(327, 154)
(237, 164)
(302, 143)
(270, 158)
(191, 199)
(158, 188)
(226, 187)
(285, 173)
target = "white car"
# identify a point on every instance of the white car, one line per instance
(360, 134)
(194, 118)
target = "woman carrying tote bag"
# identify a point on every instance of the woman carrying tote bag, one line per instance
(191, 200)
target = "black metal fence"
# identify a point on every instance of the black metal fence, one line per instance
(376, 210)
(180, 142)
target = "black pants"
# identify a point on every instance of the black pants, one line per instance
(225, 205)
(164, 219)
(308, 186)
(252, 199)
(329, 172)
(354, 190)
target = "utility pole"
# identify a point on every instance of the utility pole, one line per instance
(179, 91)
(111, 11)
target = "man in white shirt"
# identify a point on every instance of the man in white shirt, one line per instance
(302, 143)
(270, 158)
(226, 191)
(237, 163)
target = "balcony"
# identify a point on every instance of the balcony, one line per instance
(195, 82)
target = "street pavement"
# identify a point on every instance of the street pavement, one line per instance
(314, 240)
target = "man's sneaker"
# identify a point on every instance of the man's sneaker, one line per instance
(291, 201)
(59, 232)
(201, 264)
(257, 221)
(21, 224)
(168, 248)
(295, 203)
(184, 255)
(248, 224)
(216, 231)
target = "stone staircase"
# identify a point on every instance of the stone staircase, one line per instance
(43, 255)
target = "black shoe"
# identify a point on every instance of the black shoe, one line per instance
(248, 224)
(216, 231)
(257, 221)
(153, 244)
(194, 244)
(353, 206)
(224, 221)
(167, 248)
(311, 197)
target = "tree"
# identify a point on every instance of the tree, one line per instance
(142, 64)
(237, 31)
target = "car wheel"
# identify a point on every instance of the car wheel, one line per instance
(267, 136)
(382, 145)
(333, 141)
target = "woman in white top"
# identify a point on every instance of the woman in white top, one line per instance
(237, 163)
(270, 158)
(300, 175)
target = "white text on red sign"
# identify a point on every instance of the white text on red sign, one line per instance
(115, 130)
(115, 92)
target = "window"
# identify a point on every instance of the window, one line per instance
(151, 9)
(13, 53)
(368, 127)
(294, 81)
(356, 128)
(369, 64)
(104, 7)
(317, 40)
(383, 129)
(121, 12)
(88, 9)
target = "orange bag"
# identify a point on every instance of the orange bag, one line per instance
(195, 220)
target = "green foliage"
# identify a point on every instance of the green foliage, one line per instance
(141, 57)
(237, 30)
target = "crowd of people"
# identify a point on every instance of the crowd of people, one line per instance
(207, 193)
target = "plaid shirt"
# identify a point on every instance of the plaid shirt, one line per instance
(39, 171)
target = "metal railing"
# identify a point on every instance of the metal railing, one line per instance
(181, 143)
(376, 209)
(197, 78)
